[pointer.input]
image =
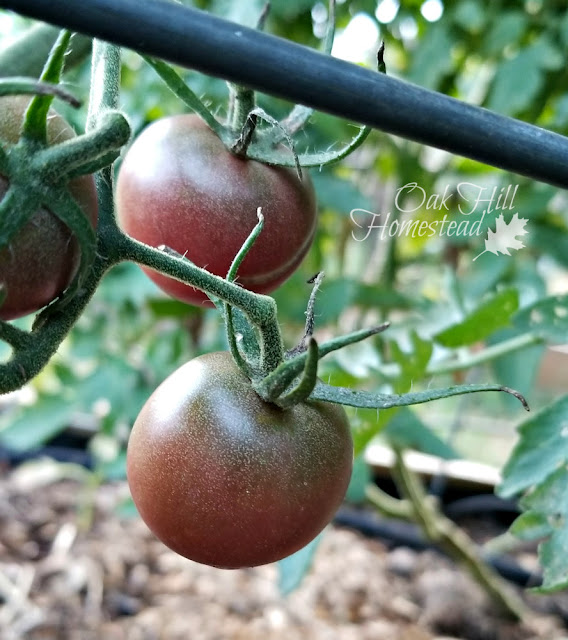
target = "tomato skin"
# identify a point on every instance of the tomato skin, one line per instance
(226, 479)
(42, 258)
(179, 186)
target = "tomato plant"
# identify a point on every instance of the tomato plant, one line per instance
(181, 187)
(224, 478)
(41, 260)
(240, 464)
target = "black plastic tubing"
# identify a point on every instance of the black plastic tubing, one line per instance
(198, 40)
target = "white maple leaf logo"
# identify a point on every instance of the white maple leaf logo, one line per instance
(505, 236)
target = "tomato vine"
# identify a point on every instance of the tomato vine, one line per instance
(283, 379)
(275, 376)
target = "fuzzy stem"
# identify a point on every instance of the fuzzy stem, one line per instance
(104, 97)
(372, 400)
(306, 385)
(455, 542)
(35, 119)
(13, 336)
(247, 246)
(176, 84)
(243, 365)
(242, 102)
(24, 86)
(17, 207)
(387, 505)
(260, 309)
(32, 354)
(512, 345)
(310, 319)
(105, 82)
(487, 355)
(70, 156)
(242, 143)
(279, 379)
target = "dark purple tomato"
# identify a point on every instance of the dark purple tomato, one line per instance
(179, 186)
(226, 479)
(41, 260)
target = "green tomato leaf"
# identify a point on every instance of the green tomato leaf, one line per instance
(543, 446)
(507, 30)
(169, 308)
(549, 55)
(360, 478)
(290, 9)
(337, 295)
(524, 70)
(114, 382)
(495, 313)
(338, 194)
(412, 364)
(126, 282)
(37, 424)
(368, 423)
(530, 526)
(563, 28)
(551, 240)
(548, 318)
(527, 70)
(539, 467)
(433, 59)
(406, 430)
(359, 360)
(470, 16)
(546, 515)
(291, 570)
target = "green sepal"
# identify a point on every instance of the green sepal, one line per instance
(370, 400)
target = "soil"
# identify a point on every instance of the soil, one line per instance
(73, 568)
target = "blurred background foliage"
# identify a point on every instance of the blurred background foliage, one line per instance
(504, 55)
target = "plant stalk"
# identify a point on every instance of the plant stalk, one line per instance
(454, 541)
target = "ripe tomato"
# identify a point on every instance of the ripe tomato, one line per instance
(226, 479)
(41, 260)
(179, 186)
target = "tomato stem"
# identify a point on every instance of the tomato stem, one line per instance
(34, 127)
(425, 510)
(16, 208)
(261, 22)
(174, 81)
(80, 155)
(244, 362)
(310, 322)
(21, 86)
(307, 382)
(242, 143)
(247, 246)
(276, 382)
(241, 102)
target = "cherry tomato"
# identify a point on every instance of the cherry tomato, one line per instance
(41, 260)
(226, 479)
(179, 186)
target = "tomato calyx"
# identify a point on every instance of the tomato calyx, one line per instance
(288, 378)
(294, 380)
(240, 133)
